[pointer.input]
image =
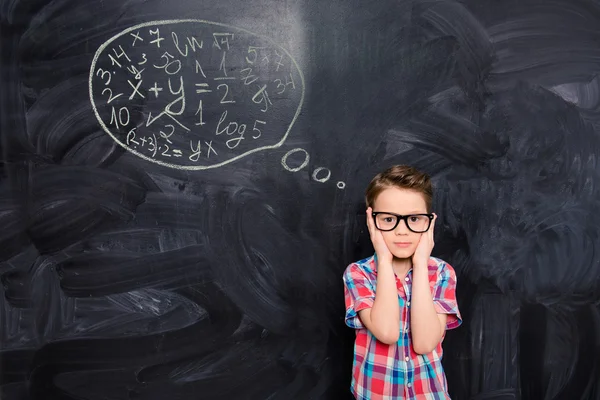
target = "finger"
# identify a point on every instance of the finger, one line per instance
(433, 229)
(369, 221)
(432, 226)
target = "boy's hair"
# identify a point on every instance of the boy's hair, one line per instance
(402, 177)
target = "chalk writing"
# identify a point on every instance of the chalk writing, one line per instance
(194, 94)
(320, 174)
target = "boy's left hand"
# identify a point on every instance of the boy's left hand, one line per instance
(426, 243)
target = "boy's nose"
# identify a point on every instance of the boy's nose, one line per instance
(402, 229)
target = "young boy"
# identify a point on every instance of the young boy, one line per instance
(401, 300)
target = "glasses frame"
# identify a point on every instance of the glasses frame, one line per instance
(401, 218)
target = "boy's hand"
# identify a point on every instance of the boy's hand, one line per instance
(426, 243)
(383, 252)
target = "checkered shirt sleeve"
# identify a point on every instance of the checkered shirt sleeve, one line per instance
(359, 294)
(444, 295)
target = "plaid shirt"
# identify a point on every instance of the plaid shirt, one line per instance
(395, 371)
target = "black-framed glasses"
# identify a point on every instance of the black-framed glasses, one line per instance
(418, 223)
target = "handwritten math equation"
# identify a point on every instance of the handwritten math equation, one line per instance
(194, 94)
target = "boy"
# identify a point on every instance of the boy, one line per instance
(400, 300)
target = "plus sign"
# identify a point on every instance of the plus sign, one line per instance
(155, 89)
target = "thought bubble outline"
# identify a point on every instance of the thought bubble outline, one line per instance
(104, 45)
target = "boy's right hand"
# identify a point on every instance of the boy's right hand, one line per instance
(383, 252)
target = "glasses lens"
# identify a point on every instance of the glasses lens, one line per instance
(386, 222)
(418, 223)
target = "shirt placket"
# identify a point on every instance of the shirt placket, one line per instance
(409, 374)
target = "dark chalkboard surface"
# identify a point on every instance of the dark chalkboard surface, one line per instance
(182, 187)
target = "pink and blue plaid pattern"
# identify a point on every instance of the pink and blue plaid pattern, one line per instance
(386, 372)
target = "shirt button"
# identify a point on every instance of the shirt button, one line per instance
(406, 279)
(408, 303)
(408, 384)
(407, 358)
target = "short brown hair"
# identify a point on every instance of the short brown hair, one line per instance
(402, 177)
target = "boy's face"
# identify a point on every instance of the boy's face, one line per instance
(401, 241)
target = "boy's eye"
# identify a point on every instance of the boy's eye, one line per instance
(414, 219)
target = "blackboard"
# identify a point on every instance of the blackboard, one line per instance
(182, 188)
